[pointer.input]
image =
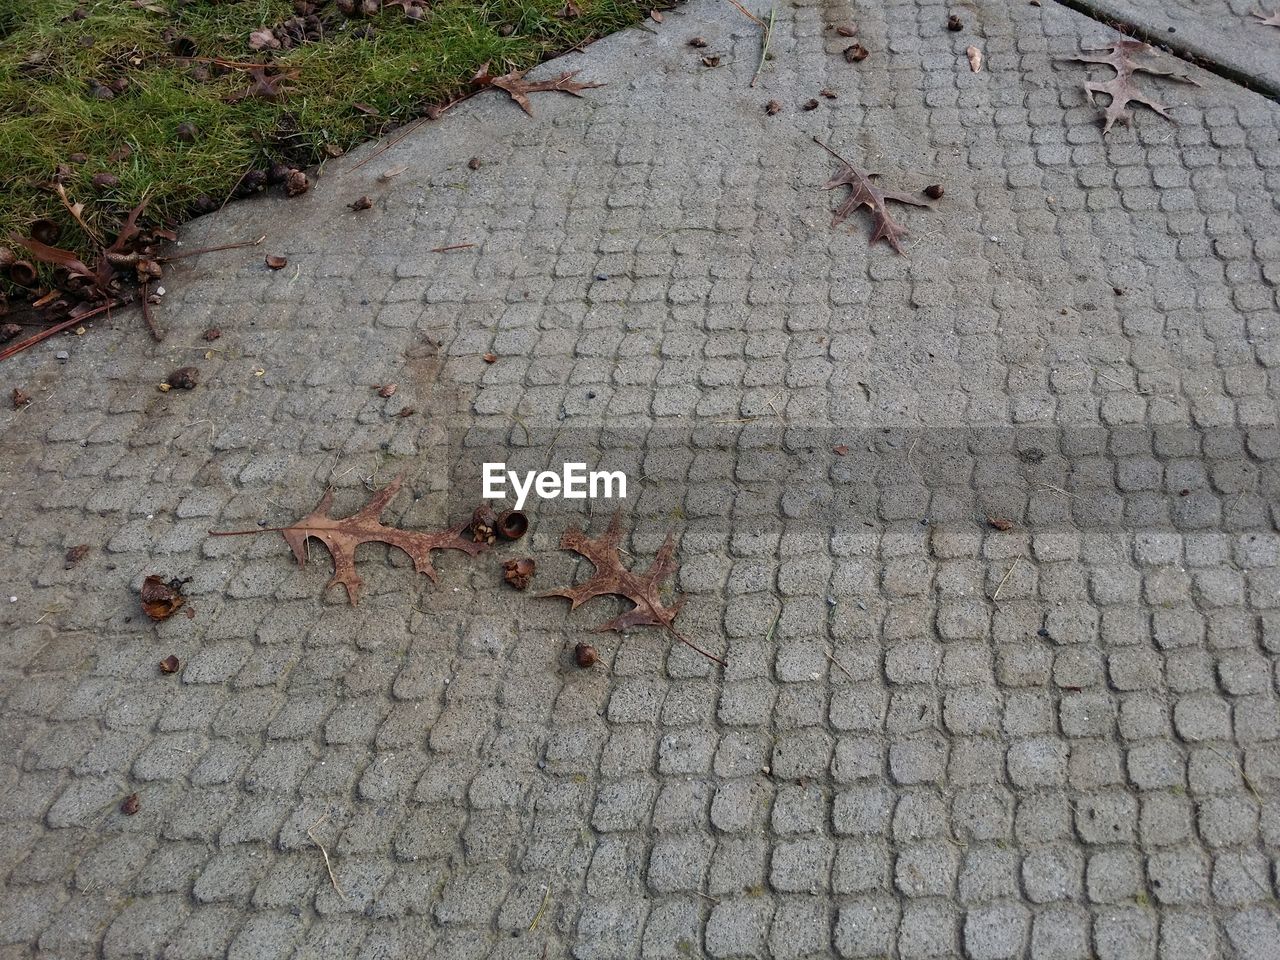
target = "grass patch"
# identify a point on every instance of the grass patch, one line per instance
(58, 59)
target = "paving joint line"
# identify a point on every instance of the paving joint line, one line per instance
(1163, 41)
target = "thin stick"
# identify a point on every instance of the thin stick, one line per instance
(1012, 567)
(832, 152)
(764, 47)
(58, 328)
(453, 246)
(831, 657)
(707, 896)
(224, 246)
(747, 13)
(325, 853)
(156, 334)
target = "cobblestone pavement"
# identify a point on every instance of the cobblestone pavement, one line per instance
(933, 738)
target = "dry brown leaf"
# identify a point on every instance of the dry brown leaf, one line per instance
(856, 53)
(975, 58)
(1120, 88)
(75, 555)
(265, 86)
(20, 399)
(999, 523)
(161, 599)
(276, 262)
(170, 664)
(773, 108)
(847, 30)
(840, 450)
(360, 203)
(711, 61)
(611, 578)
(490, 358)
(864, 193)
(387, 390)
(130, 805)
(1270, 19)
(518, 88)
(344, 534)
(263, 39)
(655, 16)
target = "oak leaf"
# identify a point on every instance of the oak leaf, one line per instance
(611, 578)
(1270, 19)
(518, 88)
(1120, 88)
(864, 193)
(344, 534)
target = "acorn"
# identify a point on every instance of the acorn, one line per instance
(106, 181)
(934, 191)
(519, 572)
(22, 273)
(512, 525)
(483, 523)
(44, 230)
(585, 655)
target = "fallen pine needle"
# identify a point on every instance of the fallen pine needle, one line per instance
(325, 853)
(747, 13)
(58, 328)
(1012, 567)
(224, 246)
(452, 246)
(832, 658)
(546, 896)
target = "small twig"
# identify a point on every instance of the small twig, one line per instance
(58, 328)
(325, 853)
(232, 192)
(156, 333)
(452, 246)
(1012, 567)
(1056, 489)
(764, 46)
(747, 13)
(831, 657)
(707, 896)
(546, 895)
(224, 246)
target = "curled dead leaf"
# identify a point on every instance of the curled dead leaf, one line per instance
(360, 203)
(975, 58)
(655, 16)
(827, 92)
(840, 450)
(772, 108)
(387, 390)
(697, 42)
(490, 358)
(711, 61)
(856, 53)
(519, 572)
(210, 335)
(847, 30)
(161, 599)
(999, 523)
(170, 664)
(276, 262)
(130, 805)
(75, 555)
(20, 399)
(474, 163)
(296, 183)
